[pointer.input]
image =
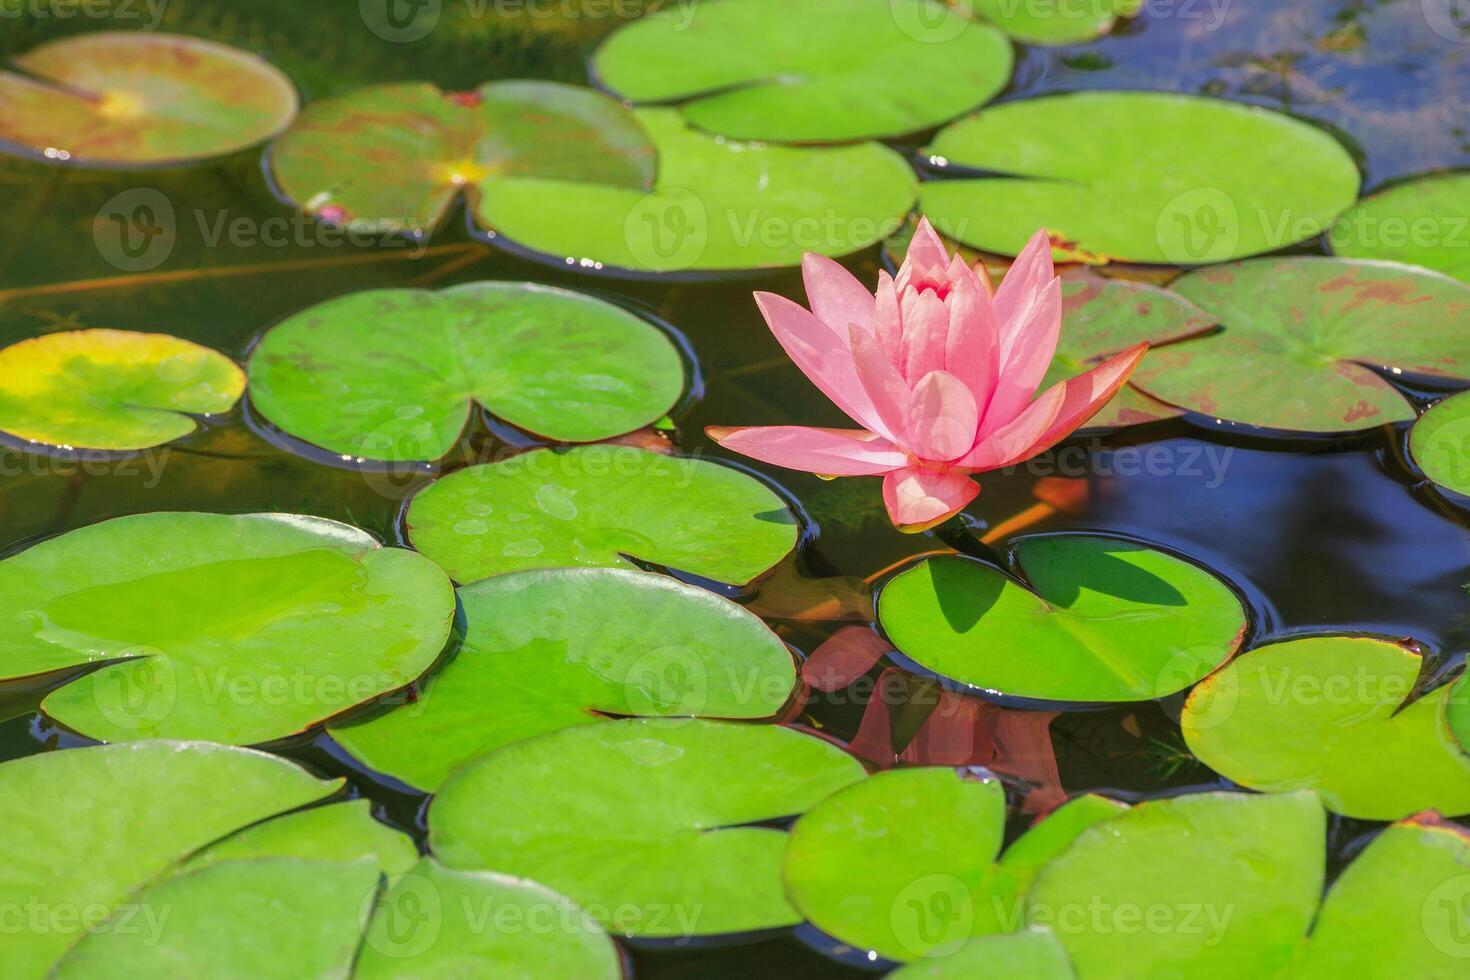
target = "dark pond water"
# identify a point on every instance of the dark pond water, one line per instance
(1326, 534)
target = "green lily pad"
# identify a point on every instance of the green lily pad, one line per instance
(1398, 910)
(1103, 173)
(238, 629)
(397, 157)
(1440, 443)
(1205, 886)
(1031, 955)
(436, 922)
(1329, 714)
(553, 648)
(641, 821)
(272, 918)
(1457, 711)
(1054, 23)
(601, 506)
(1420, 223)
(1299, 337)
(559, 364)
(86, 828)
(342, 832)
(135, 97)
(111, 389)
(808, 71)
(1102, 620)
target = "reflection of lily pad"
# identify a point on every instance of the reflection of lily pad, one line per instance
(134, 97)
(549, 649)
(1300, 335)
(233, 628)
(393, 374)
(1440, 443)
(1329, 714)
(1107, 621)
(338, 832)
(111, 389)
(808, 70)
(88, 827)
(601, 505)
(1033, 954)
(1103, 172)
(1054, 23)
(1420, 222)
(642, 822)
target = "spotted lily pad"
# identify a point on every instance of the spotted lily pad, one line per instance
(135, 97)
(1329, 714)
(111, 389)
(1440, 443)
(644, 822)
(1061, 22)
(86, 828)
(549, 649)
(1421, 222)
(1101, 620)
(1300, 336)
(342, 832)
(601, 506)
(1103, 173)
(807, 71)
(237, 629)
(393, 374)
(1033, 954)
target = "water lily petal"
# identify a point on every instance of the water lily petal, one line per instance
(835, 295)
(926, 252)
(918, 499)
(1085, 395)
(925, 332)
(1020, 289)
(830, 452)
(971, 348)
(942, 417)
(1024, 365)
(888, 318)
(1013, 442)
(884, 387)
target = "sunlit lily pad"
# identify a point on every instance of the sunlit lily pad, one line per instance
(1205, 886)
(1061, 22)
(642, 822)
(1103, 172)
(1421, 222)
(135, 97)
(1033, 954)
(1300, 336)
(1102, 620)
(236, 629)
(111, 389)
(394, 374)
(549, 649)
(601, 506)
(1329, 714)
(89, 827)
(1440, 443)
(808, 71)
(341, 832)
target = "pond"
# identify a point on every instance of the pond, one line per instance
(1178, 693)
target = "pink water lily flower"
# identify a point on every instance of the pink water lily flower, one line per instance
(939, 370)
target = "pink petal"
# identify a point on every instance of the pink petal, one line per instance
(835, 295)
(1085, 395)
(972, 345)
(926, 251)
(1024, 364)
(844, 657)
(942, 417)
(925, 331)
(885, 388)
(830, 452)
(918, 499)
(1014, 442)
(1020, 289)
(822, 356)
(888, 318)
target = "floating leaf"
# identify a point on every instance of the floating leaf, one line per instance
(1108, 620)
(134, 97)
(111, 389)
(601, 506)
(806, 71)
(1033, 954)
(1329, 714)
(1420, 222)
(549, 649)
(641, 822)
(1058, 23)
(1102, 171)
(562, 365)
(88, 827)
(237, 629)
(1440, 443)
(342, 832)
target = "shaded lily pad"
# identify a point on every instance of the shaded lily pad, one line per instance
(393, 374)
(240, 628)
(1108, 620)
(1300, 336)
(1210, 885)
(601, 506)
(342, 832)
(1103, 173)
(1440, 443)
(641, 822)
(111, 389)
(136, 97)
(807, 71)
(554, 648)
(1420, 222)
(89, 827)
(1329, 714)
(1033, 954)
(1054, 23)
